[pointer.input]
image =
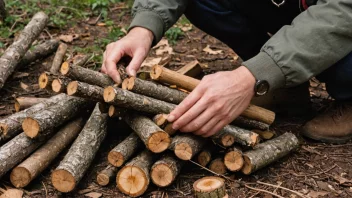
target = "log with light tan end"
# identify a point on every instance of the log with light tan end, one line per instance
(107, 175)
(35, 164)
(26, 102)
(124, 150)
(230, 134)
(45, 80)
(187, 146)
(164, 172)
(58, 58)
(217, 165)
(206, 155)
(192, 69)
(59, 85)
(161, 121)
(266, 134)
(165, 75)
(267, 152)
(154, 138)
(81, 154)
(85, 90)
(233, 159)
(210, 187)
(134, 178)
(116, 112)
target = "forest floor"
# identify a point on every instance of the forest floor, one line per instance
(315, 169)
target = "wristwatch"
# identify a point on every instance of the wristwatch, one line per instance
(261, 87)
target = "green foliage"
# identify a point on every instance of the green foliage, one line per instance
(173, 34)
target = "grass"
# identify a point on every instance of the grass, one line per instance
(173, 34)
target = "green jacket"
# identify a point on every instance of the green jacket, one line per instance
(316, 39)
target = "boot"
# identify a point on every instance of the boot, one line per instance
(332, 126)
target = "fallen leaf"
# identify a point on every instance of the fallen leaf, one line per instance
(24, 86)
(186, 28)
(124, 30)
(316, 194)
(164, 49)
(12, 193)
(162, 42)
(93, 195)
(151, 61)
(68, 38)
(341, 180)
(210, 51)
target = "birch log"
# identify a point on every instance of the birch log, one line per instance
(187, 146)
(59, 57)
(164, 172)
(26, 102)
(85, 90)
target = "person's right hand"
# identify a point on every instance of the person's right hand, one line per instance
(136, 44)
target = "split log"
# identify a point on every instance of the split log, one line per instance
(154, 138)
(266, 135)
(115, 112)
(207, 187)
(85, 90)
(107, 175)
(59, 85)
(217, 165)
(187, 146)
(250, 124)
(124, 150)
(11, 126)
(192, 69)
(230, 134)
(233, 159)
(164, 172)
(24, 173)
(161, 121)
(81, 154)
(3, 12)
(153, 90)
(268, 152)
(26, 102)
(133, 179)
(15, 52)
(165, 75)
(59, 57)
(35, 125)
(45, 80)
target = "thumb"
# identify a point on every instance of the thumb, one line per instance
(135, 63)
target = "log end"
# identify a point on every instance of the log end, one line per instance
(63, 181)
(72, 88)
(109, 94)
(116, 158)
(114, 112)
(227, 140)
(247, 166)
(128, 83)
(4, 128)
(103, 179)
(132, 181)
(209, 187)
(56, 85)
(159, 142)
(160, 119)
(218, 166)
(233, 161)
(156, 72)
(17, 106)
(43, 81)
(255, 139)
(183, 151)
(30, 127)
(204, 158)
(162, 175)
(20, 177)
(65, 67)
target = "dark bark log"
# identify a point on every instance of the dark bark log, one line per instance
(81, 60)
(233, 159)
(165, 170)
(24, 173)
(161, 121)
(59, 85)
(217, 165)
(209, 187)
(250, 124)
(154, 138)
(26, 102)
(230, 134)
(84, 90)
(45, 80)
(15, 52)
(192, 69)
(59, 57)
(3, 12)
(107, 175)
(115, 112)
(268, 152)
(124, 150)
(81, 154)
(187, 146)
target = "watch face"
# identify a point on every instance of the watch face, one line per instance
(262, 87)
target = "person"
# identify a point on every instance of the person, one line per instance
(309, 38)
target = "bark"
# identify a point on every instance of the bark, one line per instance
(3, 12)
(230, 134)
(133, 179)
(115, 112)
(153, 90)
(217, 165)
(187, 146)
(164, 172)
(59, 85)
(124, 150)
(81, 154)
(250, 124)
(268, 152)
(45, 80)
(11, 126)
(209, 187)
(127, 99)
(233, 159)
(35, 125)
(192, 69)
(81, 60)
(59, 57)
(161, 121)
(26, 102)
(84, 90)
(15, 52)
(154, 138)
(24, 173)
(107, 175)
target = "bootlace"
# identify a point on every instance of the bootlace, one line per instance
(337, 110)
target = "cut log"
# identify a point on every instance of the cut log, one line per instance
(164, 172)
(250, 124)
(35, 125)
(45, 80)
(205, 156)
(81, 154)
(115, 112)
(165, 75)
(59, 57)
(266, 135)
(153, 90)
(187, 146)
(11, 126)
(80, 60)
(230, 134)
(217, 165)
(85, 90)
(233, 159)
(15, 52)
(124, 150)
(59, 85)
(161, 121)
(209, 187)
(133, 179)
(154, 138)
(107, 175)
(24, 173)
(192, 69)
(26, 102)
(268, 152)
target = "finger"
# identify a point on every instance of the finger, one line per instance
(135, 63)
(103, 68)
(110, 64)
(199, 121)
(220, 125)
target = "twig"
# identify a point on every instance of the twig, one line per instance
(265, 191)
(277, 186)
(46, 191)
(313, 174)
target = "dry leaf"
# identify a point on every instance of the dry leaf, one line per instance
(162, 42)
(68, 38)
(93, 195)
(316, 194)
(24, 86)
(341, 180)
(12, 193)
(210, 51)
(186, 28)
(164, 49)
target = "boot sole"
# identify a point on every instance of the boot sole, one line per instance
(332, 140)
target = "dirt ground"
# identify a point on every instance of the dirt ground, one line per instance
(314, 170)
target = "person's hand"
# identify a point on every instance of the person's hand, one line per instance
(214, 103)
(136, 44)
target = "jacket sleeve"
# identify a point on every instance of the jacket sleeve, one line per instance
(316, 39)
(157, 15)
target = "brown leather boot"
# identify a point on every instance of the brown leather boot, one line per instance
(332, 126)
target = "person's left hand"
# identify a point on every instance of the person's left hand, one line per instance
(214, 103)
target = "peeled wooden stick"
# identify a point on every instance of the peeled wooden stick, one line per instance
(26, 102)
(187, 146)
(81, 154)
(209, 187)
(116, 111)
(154, 138)
(107, 175)
(268, 152)
(124, 150)
(59, 56)
(15, 52)
(133, 179)
(230, 134)
(217, 165)
(59, 85)
(161, 121)
(85, 90)
(24, 173)
(45, 80)
(233, 159)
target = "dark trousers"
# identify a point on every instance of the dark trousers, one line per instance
(244, 25)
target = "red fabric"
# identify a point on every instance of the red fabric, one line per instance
(304, 4)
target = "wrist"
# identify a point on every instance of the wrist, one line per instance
(248, 78)
(142, 32)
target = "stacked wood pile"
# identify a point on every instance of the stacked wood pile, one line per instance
(152, 153)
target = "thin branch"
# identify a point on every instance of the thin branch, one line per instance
(265, 191)
(277, 186)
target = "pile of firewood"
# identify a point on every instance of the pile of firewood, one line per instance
(153, 153)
